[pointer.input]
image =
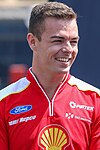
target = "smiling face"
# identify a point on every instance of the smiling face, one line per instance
(58, 48)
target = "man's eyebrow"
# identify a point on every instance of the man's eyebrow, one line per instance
(59, 37)
(76, 38)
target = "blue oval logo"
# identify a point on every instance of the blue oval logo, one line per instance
(21, 109)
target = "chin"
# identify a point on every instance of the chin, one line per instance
(67, 69)
(63, 71)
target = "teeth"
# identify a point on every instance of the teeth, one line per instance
(62, 59)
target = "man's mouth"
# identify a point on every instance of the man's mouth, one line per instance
(62, 59)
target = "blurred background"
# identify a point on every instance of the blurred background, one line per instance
(16, 56)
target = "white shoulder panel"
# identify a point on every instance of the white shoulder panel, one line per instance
(83, 86)
(16, 87)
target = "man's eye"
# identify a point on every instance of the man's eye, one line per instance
(57, 41)
(74, 42)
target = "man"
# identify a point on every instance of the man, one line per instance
(50, 109)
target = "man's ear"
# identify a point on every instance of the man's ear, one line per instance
(31, 40)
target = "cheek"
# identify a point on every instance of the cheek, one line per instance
(75, 52)
(53, 50)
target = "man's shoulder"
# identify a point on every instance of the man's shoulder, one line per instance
(82, 85)
(15, 87)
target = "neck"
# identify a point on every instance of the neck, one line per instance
(49, 82)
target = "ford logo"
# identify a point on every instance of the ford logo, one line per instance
(21, 109)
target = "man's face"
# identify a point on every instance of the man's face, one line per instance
(58, 48)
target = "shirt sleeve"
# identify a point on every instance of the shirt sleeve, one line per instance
(95, 135)
(3, 129)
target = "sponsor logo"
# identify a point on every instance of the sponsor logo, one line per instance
(53, 137)
(20, 120)
(20, 109)
(74, 105)
(25, 119)
(72, 116)
(69, 115)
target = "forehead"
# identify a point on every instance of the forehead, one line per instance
(61, 26)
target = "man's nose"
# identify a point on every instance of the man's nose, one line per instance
(67, 47)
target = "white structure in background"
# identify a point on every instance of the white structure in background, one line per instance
(16, 3)
(17, 9)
